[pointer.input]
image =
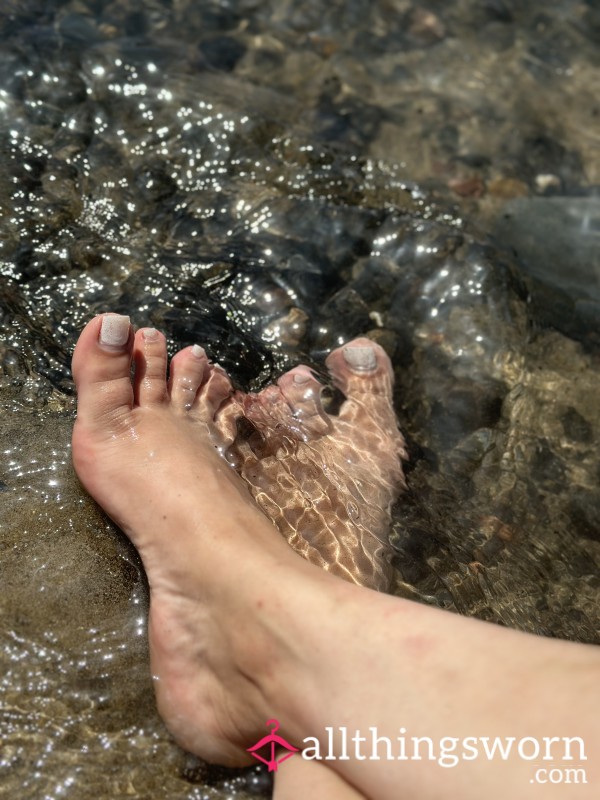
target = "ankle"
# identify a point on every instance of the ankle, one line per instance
(281, 634)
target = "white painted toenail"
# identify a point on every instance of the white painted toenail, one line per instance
(197, 351)
(115, 330)
(149, 334)
(301, 377)
(360, 358)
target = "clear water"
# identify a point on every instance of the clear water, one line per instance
(269, 179)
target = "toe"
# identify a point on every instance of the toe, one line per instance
(150, 357)
(216, 390)
(268, 410)
(303, 393)
(362, 370)
(226, 418)
(361, 367)
(189, 368)
(271, 422)
(101, 369)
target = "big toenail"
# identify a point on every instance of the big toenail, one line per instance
(149, 334)
(360, 358)
(197, 351)
(301, 377)
(115, 330)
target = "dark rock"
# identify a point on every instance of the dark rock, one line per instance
(556, 243)
(584, 512)
(576, 427)
(222, 52)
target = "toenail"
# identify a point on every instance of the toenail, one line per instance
(198, 351)
(149, 334)
(115, 330)
(360, 358)
(301, 377)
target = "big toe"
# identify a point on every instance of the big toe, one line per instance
(361, 367)
(101, 369)
(363, 371)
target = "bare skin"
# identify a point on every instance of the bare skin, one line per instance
(327, 482)
(242, 629)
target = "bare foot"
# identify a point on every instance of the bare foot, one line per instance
(328, 482)
(149, 452)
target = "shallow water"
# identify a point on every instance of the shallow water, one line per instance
(270, 179)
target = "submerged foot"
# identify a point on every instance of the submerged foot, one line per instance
(150, 452)
(328, 482)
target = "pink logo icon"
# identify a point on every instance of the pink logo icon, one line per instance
(272, 741)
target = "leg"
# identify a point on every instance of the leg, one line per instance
(301, 779)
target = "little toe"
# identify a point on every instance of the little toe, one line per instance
(150, 358)
(189, 368)
(226, 418)
(101, 369)
(303, 393)
(215, 405)
(217, 389)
